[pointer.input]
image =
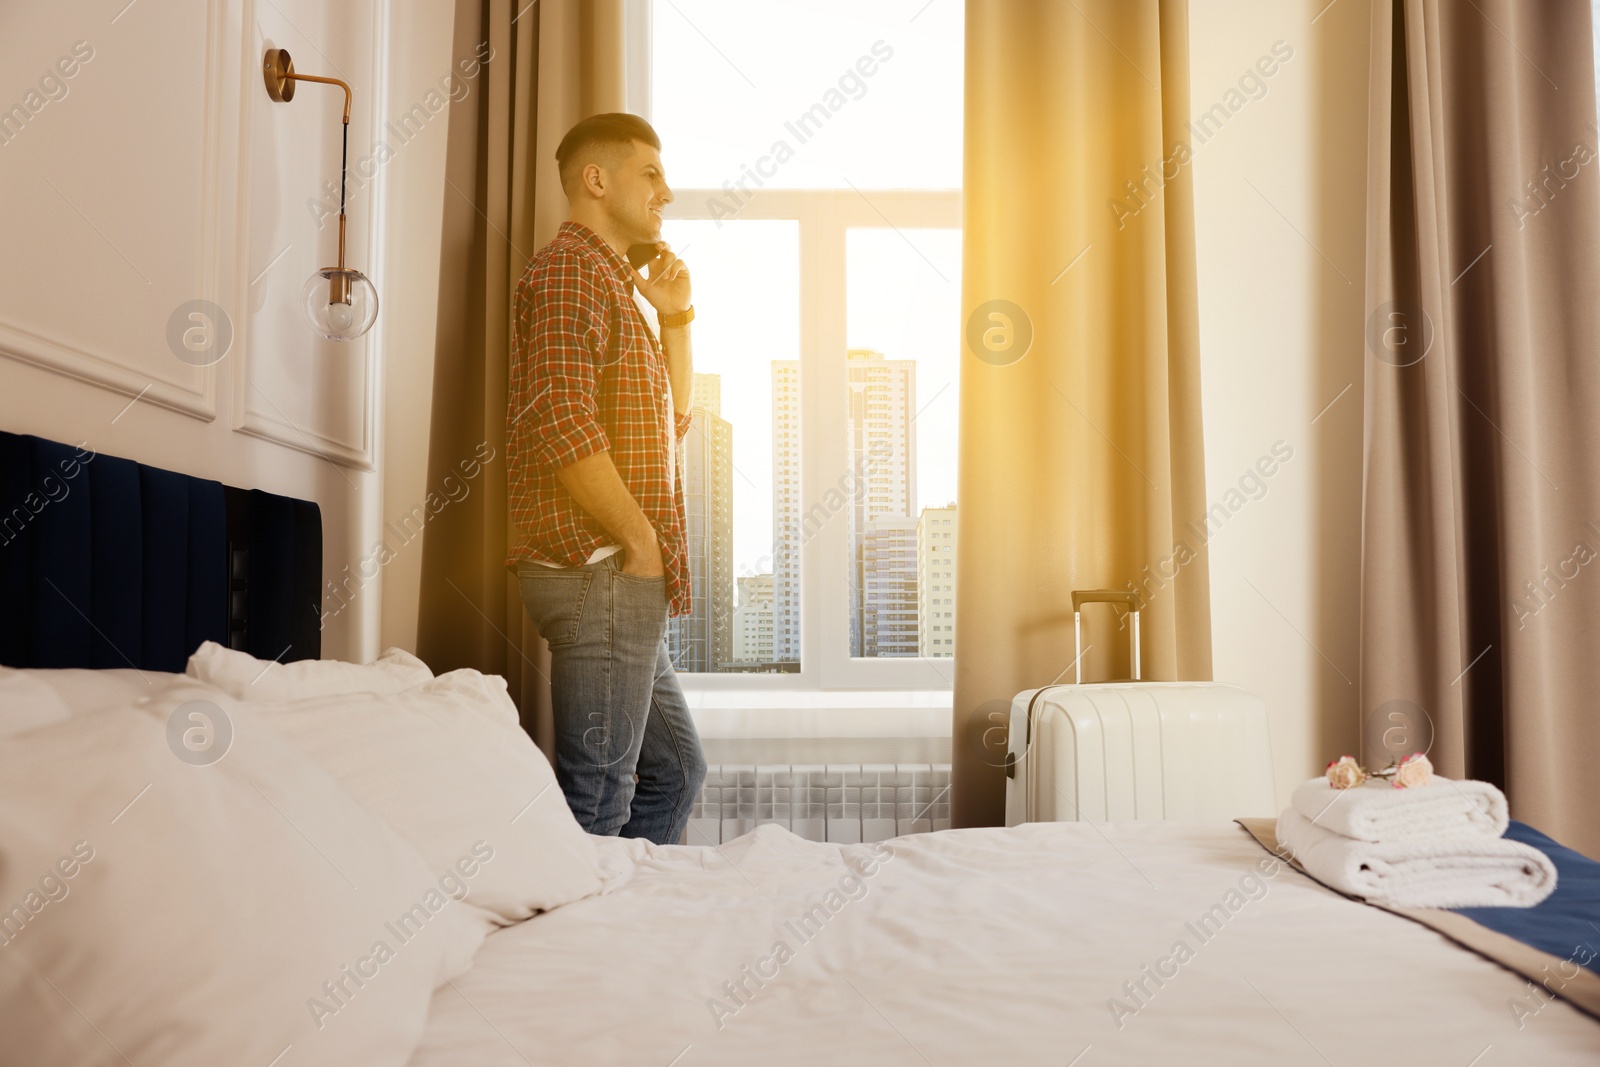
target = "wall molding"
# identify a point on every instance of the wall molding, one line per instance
(196, 396)
(187, 390)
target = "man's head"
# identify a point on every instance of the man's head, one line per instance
(611, 171)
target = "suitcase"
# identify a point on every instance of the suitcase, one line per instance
(1112, 751)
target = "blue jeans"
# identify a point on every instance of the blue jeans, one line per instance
(627, 754)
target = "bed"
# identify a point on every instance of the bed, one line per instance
(1040, 944)
(227, 894)
(985, 946)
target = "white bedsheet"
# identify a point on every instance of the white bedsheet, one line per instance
(986, 947)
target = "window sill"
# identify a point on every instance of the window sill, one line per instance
(773, 713)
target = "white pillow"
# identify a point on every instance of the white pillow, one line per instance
(241, 675)
(447, 764)
(159, 909)
(30, 698)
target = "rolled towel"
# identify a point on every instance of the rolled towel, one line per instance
(1463, 873)
(1443, 810)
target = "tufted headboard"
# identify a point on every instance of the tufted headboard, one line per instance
(105, 562)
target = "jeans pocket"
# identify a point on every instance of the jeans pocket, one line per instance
(639, 606)
(554, 601)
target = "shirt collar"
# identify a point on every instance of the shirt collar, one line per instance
(582, 234)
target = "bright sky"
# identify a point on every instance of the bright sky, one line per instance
(727, 76)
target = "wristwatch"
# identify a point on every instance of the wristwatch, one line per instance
(682, 318)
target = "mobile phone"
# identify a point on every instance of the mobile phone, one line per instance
(639, 255)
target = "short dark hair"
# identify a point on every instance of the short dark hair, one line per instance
(614, 129)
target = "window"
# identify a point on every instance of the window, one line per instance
(739, 498)
(815, 156)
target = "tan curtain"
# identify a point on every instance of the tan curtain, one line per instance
(553, 62)
(1081, 462)
(1481, 519)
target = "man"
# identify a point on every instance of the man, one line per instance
(597, 405)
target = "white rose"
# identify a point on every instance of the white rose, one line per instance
(1345, 772)
(1413, 771)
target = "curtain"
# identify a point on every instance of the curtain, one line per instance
(1480, 606)
(1081, 461)
(553, 62)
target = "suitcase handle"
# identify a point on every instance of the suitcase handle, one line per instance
(1081, 597)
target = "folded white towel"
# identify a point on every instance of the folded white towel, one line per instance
(1463, 873)
(1443, 810)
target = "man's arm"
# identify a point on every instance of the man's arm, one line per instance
(597, 487)
(667, 289)
(680, 366)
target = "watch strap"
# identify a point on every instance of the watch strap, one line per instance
(682, 318)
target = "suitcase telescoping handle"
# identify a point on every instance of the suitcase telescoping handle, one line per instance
(1081, 597)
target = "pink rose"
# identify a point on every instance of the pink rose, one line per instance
(1413, 771)
(1345, 772)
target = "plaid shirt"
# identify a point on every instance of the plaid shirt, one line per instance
(587, 375)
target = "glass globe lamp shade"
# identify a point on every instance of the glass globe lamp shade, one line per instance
(341, 304)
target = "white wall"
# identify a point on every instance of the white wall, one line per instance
(160, 172)
(1280, 199)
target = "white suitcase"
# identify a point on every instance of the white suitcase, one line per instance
(1113, 751)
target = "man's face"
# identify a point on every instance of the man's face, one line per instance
(638, 194)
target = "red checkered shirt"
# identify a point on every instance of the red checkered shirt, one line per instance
(588, 375)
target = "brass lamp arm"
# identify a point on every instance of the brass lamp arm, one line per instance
(278, 69)
(326, 81)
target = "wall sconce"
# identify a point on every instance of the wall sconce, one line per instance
(341, 303)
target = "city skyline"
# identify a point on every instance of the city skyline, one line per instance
(901, 558)
(901, 300)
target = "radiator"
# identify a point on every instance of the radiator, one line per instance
(843, 803)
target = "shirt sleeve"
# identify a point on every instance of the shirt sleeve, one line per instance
(682, 421)
(566, 333)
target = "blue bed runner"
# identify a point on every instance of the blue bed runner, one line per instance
(1566, 924)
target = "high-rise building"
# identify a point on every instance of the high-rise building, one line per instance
(703, 639)
(883, 455)
(786, 532)
(707, 393)
(752, 621)
(889, 588)
(936, 587)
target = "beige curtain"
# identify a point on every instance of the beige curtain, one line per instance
(1081, 461)
(553, 62)
(1481, 518)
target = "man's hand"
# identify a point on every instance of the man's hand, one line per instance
(667, 288)
(597, 487)
(643, 560)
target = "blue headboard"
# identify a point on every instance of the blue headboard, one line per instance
(105, 562)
